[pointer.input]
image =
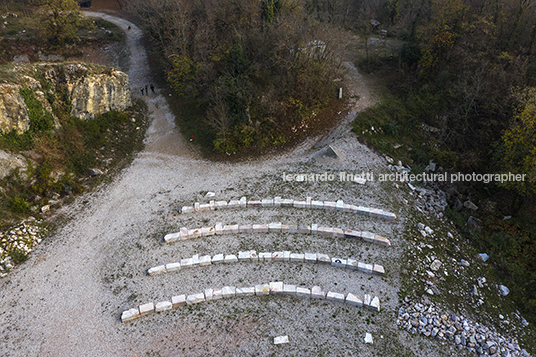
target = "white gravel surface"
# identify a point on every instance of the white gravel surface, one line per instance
(66, 300)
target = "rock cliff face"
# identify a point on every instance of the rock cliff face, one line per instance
(93, 90)
(13, 111)
(9, 163)
(96, 94)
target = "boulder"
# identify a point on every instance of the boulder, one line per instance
(10, 163)
(13, 110)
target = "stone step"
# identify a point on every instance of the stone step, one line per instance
(276, 227)
(272, 288)
(252, 256)
(338, 205)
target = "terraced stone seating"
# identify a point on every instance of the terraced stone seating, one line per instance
(219, 229)
(252, 256)
(280, 202)
(273, 288)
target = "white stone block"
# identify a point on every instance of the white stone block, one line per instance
(317, 204)
(233, 204)
(365, 268)
(161, 269)
(376, 213)
(254, 256)
(303, 292)
(173, 267)
(228, 291)
(184, 233)
(352, 234)
(195, 260)
(339, 205)
(245, 291)
(204, 207)
(300, 204)
(378, 270)
(209, 294)
(297, 257)
(276, 288)
(360, 180)
(287, 202)
(277, 256)
(323, 258)
(172, 237)
(388, 216)
(274, 227)
(314, 228)
(317, 293)
(277, 201)
(187, 209)
(187, 263)
(129, 315)
(280, 339)
(254, 204)
(196, 206)
(194, 233)
(338, 262)
(163, 306)
(262, 289)
(333, 296)
(382, 241)
(308, 201)
(218, 228)
(218, 259)
(351, 264)
(246, 228)
(368, 237)
(286, 256)
(309, 257)
(338, 233)
(304, 229)
(205, 231)
(349, 208)
(205, 260)
(353, 299)
(325, 231)
(289, 229)
(212, 205)
(267, 202)
(230, 258)
(146, 309)
(217, 294)
(220, 205)
(375, 304)
(179, 300)
(260, 228)
(365, 211)
(195, 298)
(289, 289)
(243, 202)
(330, 206)
(244, 256)
(368, 338)
(366, 300)
(265, 257)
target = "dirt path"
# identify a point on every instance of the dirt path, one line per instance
(67, 299)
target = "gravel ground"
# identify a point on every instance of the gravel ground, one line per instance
(66, 300)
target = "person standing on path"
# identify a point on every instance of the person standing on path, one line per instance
(141, 90)
(146, 90)
(152, 88)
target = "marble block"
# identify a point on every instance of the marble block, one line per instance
(289, 289)
(352, 234)
(388, 216)
(280, 339)
(184, 233)
(287, 202)
(365, 268)
(303, 292)
(228, 291)
(329, 205)
(243, 202)
(365, 211)
(351, 263)
(333, 296)
(262, 289)
(376, 213)
(187, 209)
(274, 227)
(218, 228)
(245, 291)
(299, 204)
(260, 228)
(220, 205)
(173, 267)
(375, 304)
(366, 300)
(378, 270)
(304, 229)
(187, 263)
(233, 204)
(172, 237)
(368, 237)
(179, 300)
(209, 294)
(323, 258)
(317, 204)
(339, 205)
(205, 260)
(338, 262)
(276, 288)
(267, 202)
(309, 257)
(217, 294)
(129, 315)
(297, 257)
(204, 207)
(338, 233)
(325, 231)
(353, 299)
(317, 293)
(146, 309)
(218, 259)
(244, 256)
(314, 228)
(230, 258)
(246, 228)
(254, 204)
(195, 298)
(265, 257)
(382, 241)
(277, 201)
(163, 306)
(161, 269)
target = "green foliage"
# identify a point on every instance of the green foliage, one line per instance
(41, 121)
(60, 20)
(18, 256)
(518, 151)
(18, 205)
(181, 74)
(419, 156)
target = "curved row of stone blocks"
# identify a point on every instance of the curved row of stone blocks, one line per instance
(273, 288)
(185, 233)
(338, 205)
(252, 256)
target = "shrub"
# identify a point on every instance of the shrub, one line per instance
(18, 205)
